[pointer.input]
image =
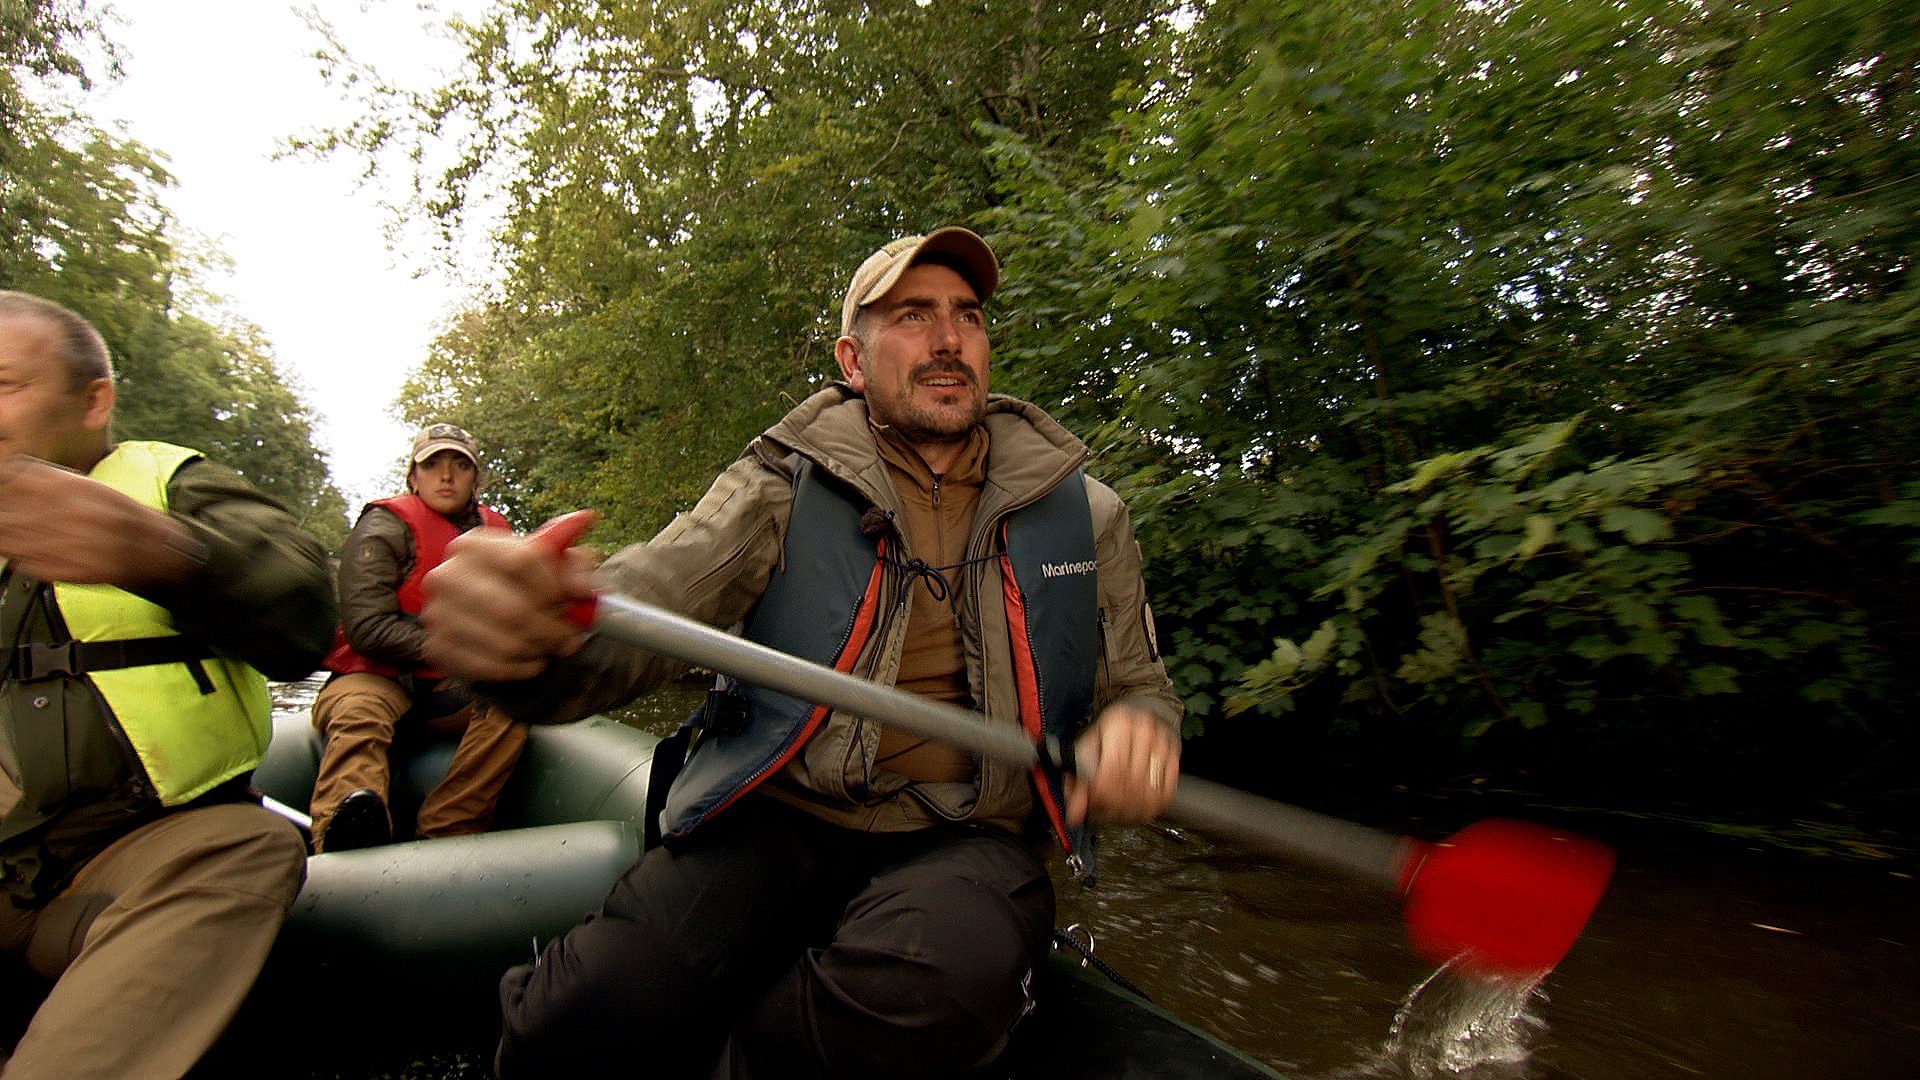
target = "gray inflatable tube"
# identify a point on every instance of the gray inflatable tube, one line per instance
(404, 945)
(469, 907)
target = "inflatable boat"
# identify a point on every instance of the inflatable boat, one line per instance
(402, 946)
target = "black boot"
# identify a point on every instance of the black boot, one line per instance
(360, 822)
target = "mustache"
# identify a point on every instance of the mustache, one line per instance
(942, 367)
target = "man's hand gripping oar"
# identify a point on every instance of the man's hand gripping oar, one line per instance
(498, 608)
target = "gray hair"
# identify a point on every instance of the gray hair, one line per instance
(81, 346)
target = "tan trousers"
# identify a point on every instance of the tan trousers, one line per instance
(357, 714)
(154, 944)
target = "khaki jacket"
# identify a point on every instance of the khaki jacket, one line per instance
(713, 562)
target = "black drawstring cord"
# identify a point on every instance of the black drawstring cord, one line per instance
(935, 577)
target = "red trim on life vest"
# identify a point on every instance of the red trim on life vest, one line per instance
(864, 618)
(1026, 681)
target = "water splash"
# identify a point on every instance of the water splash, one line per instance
(1455, 1026)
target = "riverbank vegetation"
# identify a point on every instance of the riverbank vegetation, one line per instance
(1507, 388)
(1507, 391)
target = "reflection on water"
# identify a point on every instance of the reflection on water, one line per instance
(296, 698)
(1700, 962)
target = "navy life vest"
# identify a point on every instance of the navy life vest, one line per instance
(823, 604)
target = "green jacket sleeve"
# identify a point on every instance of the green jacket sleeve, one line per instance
(262, 593)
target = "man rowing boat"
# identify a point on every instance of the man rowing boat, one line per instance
(835, 898)
(147, 595)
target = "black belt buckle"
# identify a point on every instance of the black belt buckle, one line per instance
(43, 661)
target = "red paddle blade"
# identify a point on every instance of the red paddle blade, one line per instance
(1506, 898)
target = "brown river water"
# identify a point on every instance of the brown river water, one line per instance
(1708, 957)
(1699, 962)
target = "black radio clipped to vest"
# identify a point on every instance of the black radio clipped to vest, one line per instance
(724, 712)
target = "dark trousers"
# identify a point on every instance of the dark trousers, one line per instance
(772, 944)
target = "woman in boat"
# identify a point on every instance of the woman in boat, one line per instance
(379, 683)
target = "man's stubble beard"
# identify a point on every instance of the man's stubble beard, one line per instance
(934, 425)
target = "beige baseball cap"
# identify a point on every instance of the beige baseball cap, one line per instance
(437, 437)
(883, 268)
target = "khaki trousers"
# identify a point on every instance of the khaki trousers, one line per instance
(357, 714)
(155, 944)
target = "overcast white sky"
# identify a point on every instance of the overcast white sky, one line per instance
(212, 85)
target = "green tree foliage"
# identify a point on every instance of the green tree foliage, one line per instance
(682, 188)
(84, 226)
(1539, 368)
(1529, 379)
(36, 38)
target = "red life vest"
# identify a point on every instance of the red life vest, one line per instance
(431, 535)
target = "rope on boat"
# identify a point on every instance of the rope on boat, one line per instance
(1070, 939)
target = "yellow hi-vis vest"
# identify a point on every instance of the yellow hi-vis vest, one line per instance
(189, 741)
